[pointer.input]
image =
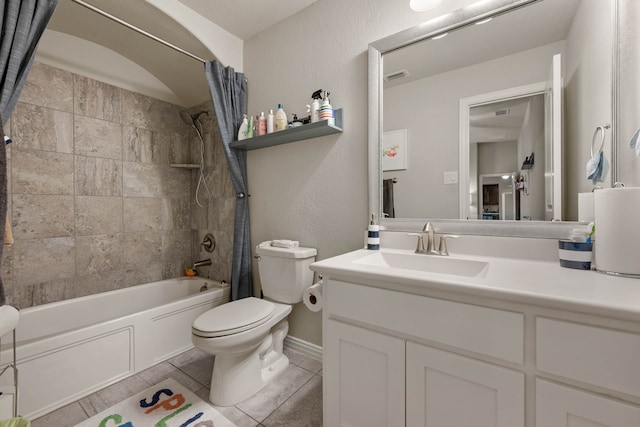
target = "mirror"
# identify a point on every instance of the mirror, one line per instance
(449, 113)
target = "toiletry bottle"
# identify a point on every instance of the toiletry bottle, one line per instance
(326, 110)
(250, 128)
(373, 235)
(314, 108)
(262, 124)
(281, 122)
(270, 122)
(256, 125)
(242, 133)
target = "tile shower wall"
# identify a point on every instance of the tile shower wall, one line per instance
(93, 202)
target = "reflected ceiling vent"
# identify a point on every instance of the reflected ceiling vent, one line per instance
(395, 76)
(504, 112)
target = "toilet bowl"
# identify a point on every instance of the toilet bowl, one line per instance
(246, 336)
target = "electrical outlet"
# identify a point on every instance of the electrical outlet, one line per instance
(451, 177)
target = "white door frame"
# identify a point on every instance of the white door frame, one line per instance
(465, 106)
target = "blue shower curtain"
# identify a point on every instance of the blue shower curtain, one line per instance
(229, 95)
(23, 22)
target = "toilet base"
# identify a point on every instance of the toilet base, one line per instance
(238, 376)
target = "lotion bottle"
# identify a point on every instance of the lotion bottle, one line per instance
(250, 128)
(270, 122)
(281, 122)
(242, 133)
(262, 124)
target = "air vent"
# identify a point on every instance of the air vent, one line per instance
(395, 76)
(502, 112)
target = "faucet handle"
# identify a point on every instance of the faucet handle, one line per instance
(420, 247)
(442, 247)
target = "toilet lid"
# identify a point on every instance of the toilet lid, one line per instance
(233, 317)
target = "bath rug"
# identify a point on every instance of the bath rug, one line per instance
(168, 404)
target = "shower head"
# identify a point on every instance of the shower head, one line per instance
(191, 119)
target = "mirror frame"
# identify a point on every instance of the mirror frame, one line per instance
(445, 23)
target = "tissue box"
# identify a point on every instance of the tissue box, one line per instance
(575, 254)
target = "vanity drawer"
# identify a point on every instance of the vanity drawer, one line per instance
(483, 330)
(594, 355)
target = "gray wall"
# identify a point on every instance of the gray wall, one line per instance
(93, 203)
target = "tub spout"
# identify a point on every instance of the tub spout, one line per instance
(201, 263)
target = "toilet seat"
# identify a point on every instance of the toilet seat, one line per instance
(233, 317)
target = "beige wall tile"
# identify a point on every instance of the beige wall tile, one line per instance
(98, 177)
(142, 180)
(96, 99)
(42, 128)
(143, 111)
(142, 249)
(41, 172)
(99, 138)
(104, 281)
(52, 291)
(142, 274)
(98, 253)
(176, 252)
(176, 214)
(142, 214)
(175, 147)
(176, 183)
(140, 146)
(43, 260)
(48, 87)
(41, 216)
(98, 215)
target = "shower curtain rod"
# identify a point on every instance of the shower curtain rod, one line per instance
(137, 29)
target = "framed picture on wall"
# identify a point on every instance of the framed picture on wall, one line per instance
(394, 150)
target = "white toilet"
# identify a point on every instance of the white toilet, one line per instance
(246, 335)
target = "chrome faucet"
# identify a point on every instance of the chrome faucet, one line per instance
(428, 230)
(201, 263)
(420, 248)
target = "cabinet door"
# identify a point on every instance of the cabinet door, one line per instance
(363, 377)
(560, 406)
(445, 389)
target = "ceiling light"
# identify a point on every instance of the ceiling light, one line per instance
(506, 176)
(423, 5)
(483, 21)
(439, 36)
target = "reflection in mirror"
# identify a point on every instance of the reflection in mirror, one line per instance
(478, 103)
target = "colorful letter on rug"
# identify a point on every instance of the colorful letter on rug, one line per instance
(168, 404)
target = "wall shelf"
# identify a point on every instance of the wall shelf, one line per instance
(308, 131)
(185, 165)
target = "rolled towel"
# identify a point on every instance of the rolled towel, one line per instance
(8, 235)
(282, 243)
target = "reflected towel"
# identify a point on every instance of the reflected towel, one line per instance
(597, 168)
(8, 235)
(388, 207)
(635, 144)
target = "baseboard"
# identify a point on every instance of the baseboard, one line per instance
(310, 350)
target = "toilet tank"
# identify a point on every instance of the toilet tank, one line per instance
(284, 272)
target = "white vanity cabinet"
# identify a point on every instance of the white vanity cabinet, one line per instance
(375, 373)
(395, 358)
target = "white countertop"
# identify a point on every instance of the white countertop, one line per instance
(541, 283)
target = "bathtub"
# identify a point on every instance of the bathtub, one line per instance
(70, 349)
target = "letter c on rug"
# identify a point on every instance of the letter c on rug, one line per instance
(117, 418)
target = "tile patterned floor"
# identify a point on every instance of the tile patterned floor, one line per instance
(293, 399)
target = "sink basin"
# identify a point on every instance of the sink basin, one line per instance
(425, 263)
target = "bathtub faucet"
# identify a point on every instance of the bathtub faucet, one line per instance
(201, 263)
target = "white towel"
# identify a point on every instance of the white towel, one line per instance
(635, 143)
(282, 243)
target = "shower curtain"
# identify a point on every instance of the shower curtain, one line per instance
(23, 22)
(229, 95)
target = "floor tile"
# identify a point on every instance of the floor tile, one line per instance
(303, 361)
(66, 416)
(195, 363)
(303, 409)
(235, 415)
(109, 396)
(260, 405)
(164, 370)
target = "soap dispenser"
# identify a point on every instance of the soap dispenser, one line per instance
(326, 110)
(314, 108)
(244, 127)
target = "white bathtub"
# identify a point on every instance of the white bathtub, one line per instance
(69, 349)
